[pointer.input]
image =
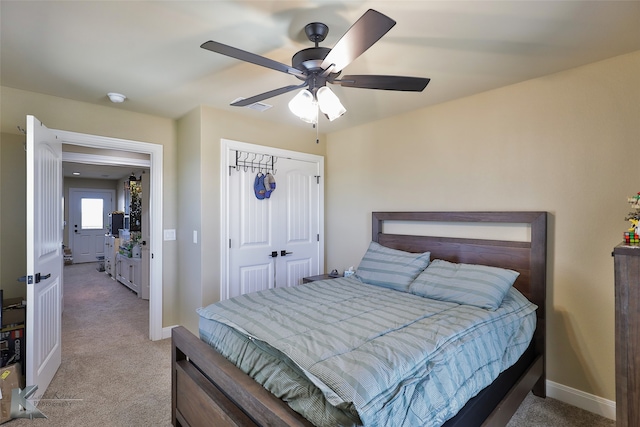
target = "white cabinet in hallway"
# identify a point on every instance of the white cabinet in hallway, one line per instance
(129, 272)
(111, 244)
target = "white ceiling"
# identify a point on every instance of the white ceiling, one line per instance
(150, 50)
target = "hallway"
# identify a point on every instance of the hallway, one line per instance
(111, 373)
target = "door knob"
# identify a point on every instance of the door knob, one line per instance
(285, 253)
(274, 254)
(38, 278)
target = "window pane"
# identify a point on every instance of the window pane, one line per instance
(92, 218)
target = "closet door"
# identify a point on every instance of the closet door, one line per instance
(297, 222)
(250, 238)
(273, 242)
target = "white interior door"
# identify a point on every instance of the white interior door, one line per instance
(88, 221)
(251, 266)
(276, 241)
(44, 254)
(296, 224)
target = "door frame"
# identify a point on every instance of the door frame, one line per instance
(73, 191)
(228, 145)
(155, 152)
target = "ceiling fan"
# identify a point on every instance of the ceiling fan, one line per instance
(317, 66)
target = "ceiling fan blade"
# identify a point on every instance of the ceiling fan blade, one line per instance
(403, 83)
(266, 95)
(361, 36)
(243, 55)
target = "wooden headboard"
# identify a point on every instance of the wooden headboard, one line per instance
(528, 258)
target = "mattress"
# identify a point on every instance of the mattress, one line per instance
(341, 352)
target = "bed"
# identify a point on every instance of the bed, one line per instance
(207, 389)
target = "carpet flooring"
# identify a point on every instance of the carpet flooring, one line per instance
(538, 412)
(112, 375)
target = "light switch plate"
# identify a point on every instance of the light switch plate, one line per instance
(170, 234)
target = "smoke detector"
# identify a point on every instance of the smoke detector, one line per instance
(116, 98)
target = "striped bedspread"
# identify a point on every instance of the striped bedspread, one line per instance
(376, 356)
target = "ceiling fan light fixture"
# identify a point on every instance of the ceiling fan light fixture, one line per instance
(304, 106)
(329, 103)
(318, 65)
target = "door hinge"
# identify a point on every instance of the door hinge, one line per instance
(318, 237)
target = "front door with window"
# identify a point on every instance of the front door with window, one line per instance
(88, 221)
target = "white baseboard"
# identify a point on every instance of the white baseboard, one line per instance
(166, 333)
(582, 400)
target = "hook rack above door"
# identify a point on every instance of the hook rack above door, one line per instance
(255, 162)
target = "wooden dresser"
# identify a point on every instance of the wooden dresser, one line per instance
(627, 289)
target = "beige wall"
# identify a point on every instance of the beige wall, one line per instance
(13, 226)
(64, 114)
(199, 167)
(566, 143)
(190, 218)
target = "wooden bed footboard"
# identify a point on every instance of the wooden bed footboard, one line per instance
(208, 390)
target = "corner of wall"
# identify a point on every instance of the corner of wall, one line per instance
(189, 218)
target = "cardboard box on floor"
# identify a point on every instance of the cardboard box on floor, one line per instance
(13, 317)
(12, 338)
(10, 378)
